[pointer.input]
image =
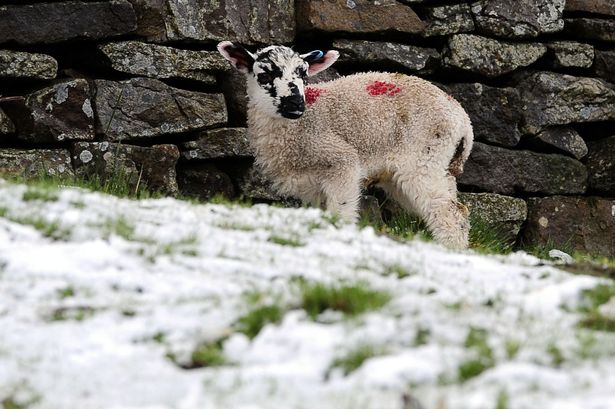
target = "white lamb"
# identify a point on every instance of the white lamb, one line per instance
(327, 141)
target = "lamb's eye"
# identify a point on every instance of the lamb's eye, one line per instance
(265, 78)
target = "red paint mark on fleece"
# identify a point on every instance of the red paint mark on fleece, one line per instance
(375, 88)
(312, 94)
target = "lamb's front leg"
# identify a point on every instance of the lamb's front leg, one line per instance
(342, 190)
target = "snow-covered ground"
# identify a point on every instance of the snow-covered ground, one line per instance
(97, 293)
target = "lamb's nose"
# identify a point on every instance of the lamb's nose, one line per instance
(292, 107)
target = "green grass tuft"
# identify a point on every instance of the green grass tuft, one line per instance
(502, 400)
(483, 358)
(349, 299)
(512, 347)
(285, 241)
(42, 193)
(398, 271)
(557, 358)
(254, 321)
(487, 239)
(208, 355)
(593, 319)
(353, 360)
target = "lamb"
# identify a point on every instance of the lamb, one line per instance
(328, 140)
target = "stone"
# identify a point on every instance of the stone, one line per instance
(502, 214)
(204, 181)
(494, 112)
(559, 139)
(584, 224)
(6, 125)
(559, 99)
(449, 19)
(70, 20)
(510, 172)
(255, 185)
(218, 143)
(253, 22)
(17, 64)
(57, 113)
(151, 168)
(233, 84)
(600, 164)
(604, 64)
(592, 6)
(397, 55)
(571, 54)
(357, 16)
(150, 16)
(144, 108)
(34, 163)
(490, 57)
(591, 28)
(518, 19)
(157, 61)
(329, 74)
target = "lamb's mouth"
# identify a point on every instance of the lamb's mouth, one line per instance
(292, 114)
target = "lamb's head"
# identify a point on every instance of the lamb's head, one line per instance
(276, 75)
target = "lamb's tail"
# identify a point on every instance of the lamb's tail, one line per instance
(464, 147)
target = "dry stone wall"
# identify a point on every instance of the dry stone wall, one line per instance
(90, 86)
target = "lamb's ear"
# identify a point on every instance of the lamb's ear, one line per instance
(238, 56)
(320, 61)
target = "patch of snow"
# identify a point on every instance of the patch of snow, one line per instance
(180, 276)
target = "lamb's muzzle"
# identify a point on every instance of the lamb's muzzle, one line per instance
(322, 142)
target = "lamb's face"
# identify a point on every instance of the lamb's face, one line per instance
(276, 83)
(276, 76)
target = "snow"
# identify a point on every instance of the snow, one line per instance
(89, 319)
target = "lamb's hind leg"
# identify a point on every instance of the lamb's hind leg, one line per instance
(436, 203)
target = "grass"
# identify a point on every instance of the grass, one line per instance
(483, 358)
(488, 239)
(208, 355)
(66, 292)
(557, 358)
(595, 297)
(285, 241)
(254, 321)
(72, 313)
(41, 193)
(351, 300)
(502, 400)
(121, 227)
(353, 360)
(50, 229)
(398, 271)
(512, 348)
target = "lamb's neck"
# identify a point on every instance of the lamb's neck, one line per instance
(263, 128)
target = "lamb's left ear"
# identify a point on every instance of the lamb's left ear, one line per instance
(320, 61)
(241, 58)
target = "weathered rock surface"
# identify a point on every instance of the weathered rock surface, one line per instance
(560, 139)
(601, 166)
(519, 19)
(6, 125)
(592, 6)
(357, 16)
(233, 85)
(218, 143)
(494, 112)
(398, 55)
(604, 64)
(144, 108)
(35, 163)
(507, 172)
(253, 22)
(204, 181)
(490, 57)
(449, 19)
(501, 214)
(57, 113)
(591, 28)
(571, 54)
(558, 99)
(157, 61)
(55, 22)
(581, 223)
(17, 64)
(255, 185)
(148, 167)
